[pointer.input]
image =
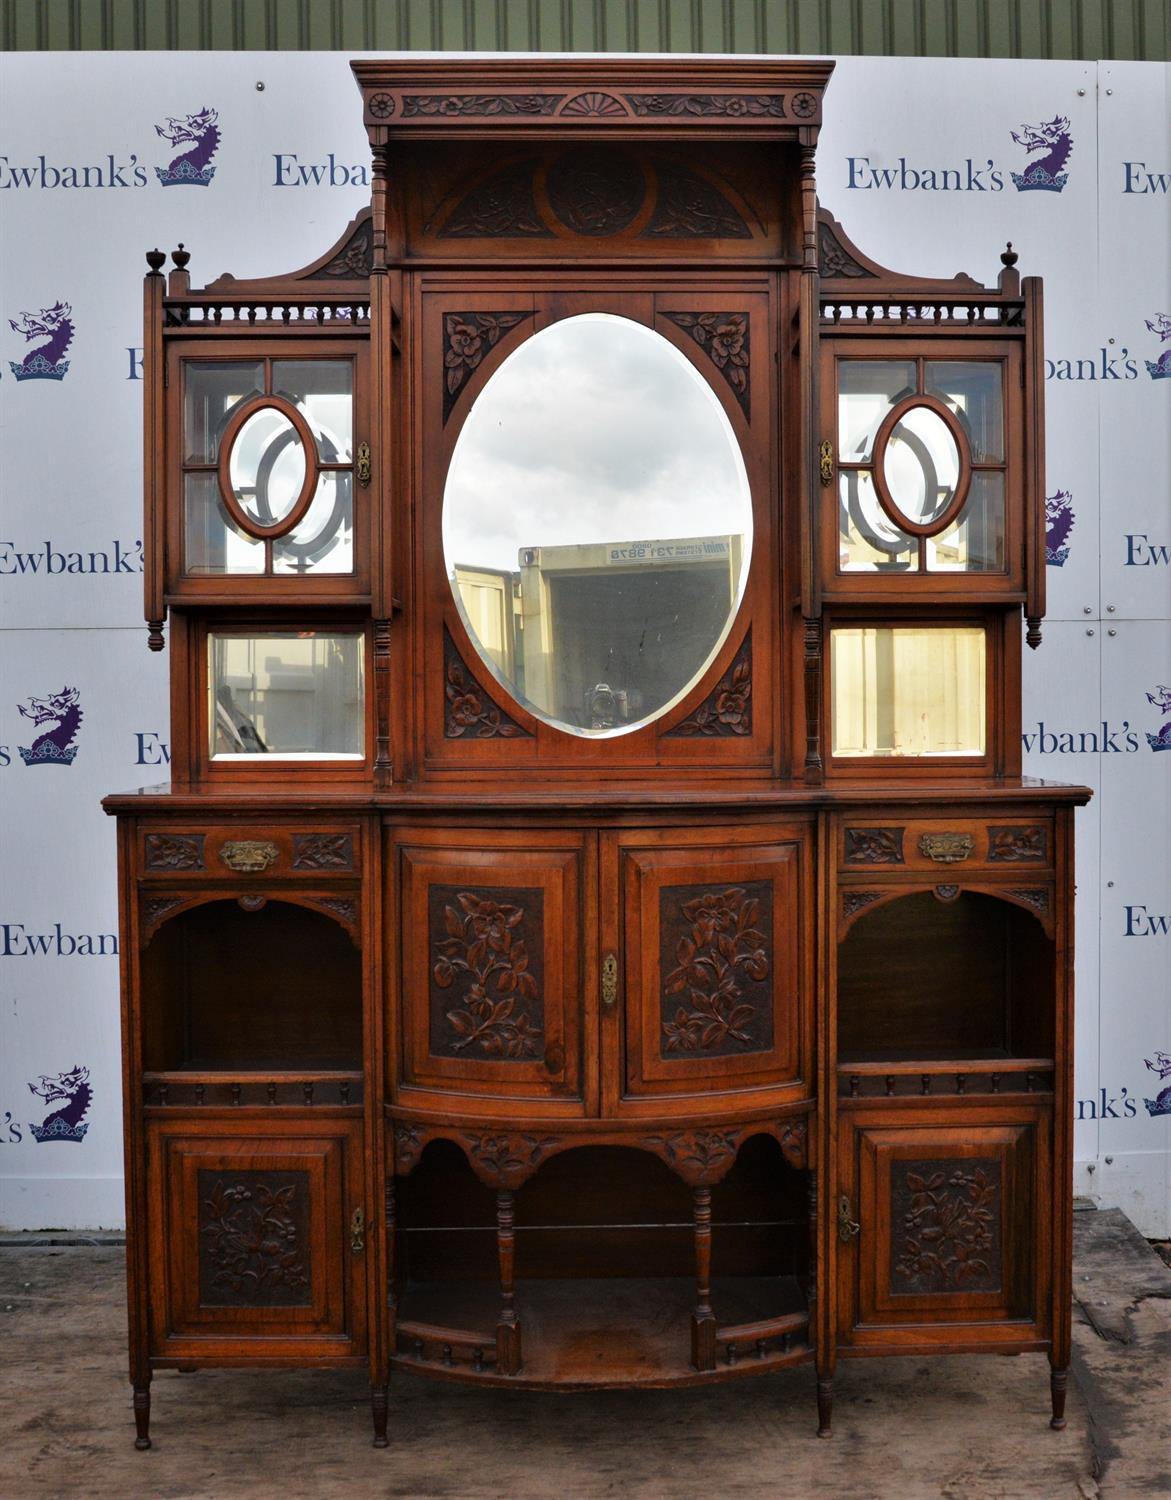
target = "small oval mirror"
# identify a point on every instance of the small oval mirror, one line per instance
(267, 466)
(597, 523)
(921, 465)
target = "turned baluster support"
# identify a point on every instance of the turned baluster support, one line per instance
(703, 1320)
(507, 1325)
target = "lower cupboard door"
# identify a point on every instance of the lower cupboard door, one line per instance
(940, 1226)
(258, 1243)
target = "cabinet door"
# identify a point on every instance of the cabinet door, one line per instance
(943, 1224)
(257, 1251)
(716, 957)
(491, 965)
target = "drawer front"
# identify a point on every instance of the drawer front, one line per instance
(942, 844)
(491, 965)
(225, 851)
(942, 1224)
(715, 958)
(256, 1235)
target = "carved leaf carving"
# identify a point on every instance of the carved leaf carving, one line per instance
(323, 851)
(715, 1000)
(874, 846)
(945, 1221)
(480, 954)
(174, 851)
(727, 709)
(723, 336)
(690, 207)
(253, 1239)
(467, 338)
(502, 207)
(468, 712)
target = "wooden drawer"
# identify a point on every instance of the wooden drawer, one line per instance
(224, 851)
(945, 843)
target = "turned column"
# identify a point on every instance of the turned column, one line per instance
(507, 1325)
(703, 1320)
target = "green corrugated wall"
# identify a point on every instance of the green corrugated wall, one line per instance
(1136, 29)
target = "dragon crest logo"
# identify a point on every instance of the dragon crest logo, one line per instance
(1160, 369)
(1160, 1064)
(47, 360)
(1161, 698)
(1047, 173)
(198, 137)
(74, 1092)
(1059, 519)
(58, 744)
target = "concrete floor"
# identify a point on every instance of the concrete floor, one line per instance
(953, 1428)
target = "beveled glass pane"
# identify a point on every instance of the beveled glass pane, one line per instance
(974, 391)
(921, 465)
(212, 390)
(296, 696)
(267, 466)
(974, 542)
(323, 389)
(597, 522)
(907, 690)
(212, 542)
(323, 540)
(868, 540)
(867, 389)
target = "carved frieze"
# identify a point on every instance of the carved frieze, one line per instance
(945, 1226)
(716, 959)
(254, 1239)
(483, 106)
(173, 851)
(874, 846)
(727, 709)
(724, 338)
(468, 712)
(486, 973)
(467, 338)
(709, 105)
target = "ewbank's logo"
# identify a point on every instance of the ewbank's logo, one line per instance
(199, 137)
(1160, 1064)
(1161, 698)
(1047, 174)
(47, 360)
(58, 744)
(65, 1123)
(1059, 519)
(1160, 369)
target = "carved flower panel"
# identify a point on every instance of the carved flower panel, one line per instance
(254, 1238)
(716, 961)
(323, 851)
(486, 973)
(945, 1219)
(174, 851)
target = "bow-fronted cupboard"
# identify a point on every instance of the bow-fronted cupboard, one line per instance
(597, 932)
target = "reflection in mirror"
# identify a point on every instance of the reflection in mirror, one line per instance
(212, 391)
(266, 467)
(869, 541)
(867, 389)
(296, 696)
(972, 389)
(597, 524)
(907, 690)
(921, 465)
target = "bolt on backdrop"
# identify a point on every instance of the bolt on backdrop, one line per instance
(256, 161)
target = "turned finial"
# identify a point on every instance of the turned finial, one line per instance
(180, 257)
(155, 259)
(1008, 256)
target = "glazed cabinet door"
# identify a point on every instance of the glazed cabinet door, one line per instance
(711, 954)
(942, 1220)
(258, 1241)
(491, 958)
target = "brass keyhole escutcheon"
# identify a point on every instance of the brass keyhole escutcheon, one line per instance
(363, 463)
(847, 1227)
(358, 1231)
(827, 462)
(610, 981)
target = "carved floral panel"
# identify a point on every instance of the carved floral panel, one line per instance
(174, 851)
(716, 958)
(486, 963)
(254, 1239)
(946, 1225)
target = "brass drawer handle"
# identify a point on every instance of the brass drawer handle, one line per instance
(358, 1231)
(610, 981)
(847, 1227)
(947, 848)
(250, 856)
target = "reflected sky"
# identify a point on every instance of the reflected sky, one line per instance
(594, 430)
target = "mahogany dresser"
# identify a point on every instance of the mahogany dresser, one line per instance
(597, 933)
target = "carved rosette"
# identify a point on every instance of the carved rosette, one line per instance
(727, 709)
(945, 1226)
(1018, 845)
(173, 851)
(487, 980)
(323, 851)
(874, 846)
(594, 105)
(254, 1239)
(715, 958)
(467, 338)
(723, 337)
(468, 712)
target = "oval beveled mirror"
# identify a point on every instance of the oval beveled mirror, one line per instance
(921, 466)
(597, 525)
(266, 468)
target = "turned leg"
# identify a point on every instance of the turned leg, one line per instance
(378, 1408)
(703, 1320)
(825, 1405)
(142, 1416)
(507, 1325)
(1058, 1381)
